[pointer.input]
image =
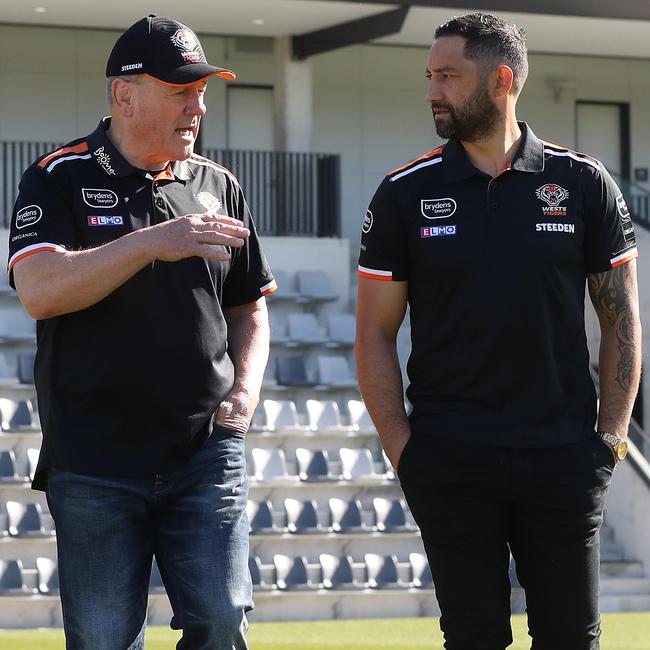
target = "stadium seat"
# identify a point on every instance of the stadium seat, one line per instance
(18, 415)
(7, 375)
(420, 571)
(269, 465)
(356, 463)
(291, 573)
(278, 330)
(26, 520)
(11, 578)
(324, 415)
(341, 329)
(292, 371)
(32, 461)
(302, 517)
(390, 516)
(337, 572)
(48, 575)
(304, 331)
(17, 327)
(8, 471)
(382, 572)
(260, 518)
(334, 372)
(314, 286)
(281, 416)
(286, 290)
(359, 417)
(156, 584)
(346, 516)
(313, 465)
(26, 368)
(255, 568)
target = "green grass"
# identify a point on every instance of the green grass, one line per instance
(620, 632)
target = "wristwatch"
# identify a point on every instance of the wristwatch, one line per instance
(616, 444)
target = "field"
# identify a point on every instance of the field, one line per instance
(621, 632)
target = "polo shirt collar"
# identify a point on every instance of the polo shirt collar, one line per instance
(112, 163)
(529, 157)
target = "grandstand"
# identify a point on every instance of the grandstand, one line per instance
(331, 536)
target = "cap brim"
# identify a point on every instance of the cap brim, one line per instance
(192, 72)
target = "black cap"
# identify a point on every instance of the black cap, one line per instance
(162, 48)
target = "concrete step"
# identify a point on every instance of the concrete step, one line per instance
(621, 569)
(625, 586)
(624, 603)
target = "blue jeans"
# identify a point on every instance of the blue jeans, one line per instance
(193, 519)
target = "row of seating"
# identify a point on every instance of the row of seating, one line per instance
(325, 372)
(302, 288)
(341, 572)
(23, 373)
(25, 520)
(9, 467)
(15, 579)
(315, 465)
(16, 326)
(282, 416)
(19, 415)
(340, 516)
(303, 330)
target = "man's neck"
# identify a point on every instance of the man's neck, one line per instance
(122, 143)
(494, 154)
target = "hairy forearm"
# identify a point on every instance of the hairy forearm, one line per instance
(615, 298)
(380, 381)
(248, 340)
(51, 284)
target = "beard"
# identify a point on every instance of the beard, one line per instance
(474, 119)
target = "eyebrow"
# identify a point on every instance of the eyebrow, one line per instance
(444, 68)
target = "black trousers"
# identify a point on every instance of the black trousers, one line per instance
(475, 504)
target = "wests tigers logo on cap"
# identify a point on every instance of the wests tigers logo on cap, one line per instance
(185, 40)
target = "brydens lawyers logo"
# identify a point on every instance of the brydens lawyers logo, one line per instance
(102, 220)
(28, 216)
(552, 195)
(98, 198)
(437, 208)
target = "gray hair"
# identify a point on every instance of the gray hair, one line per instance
(132, 78)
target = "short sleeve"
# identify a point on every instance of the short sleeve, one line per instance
(249, 277)
(610, 240)
(41, 220)
(383, 254)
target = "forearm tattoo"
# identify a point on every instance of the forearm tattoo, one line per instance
(612, 294)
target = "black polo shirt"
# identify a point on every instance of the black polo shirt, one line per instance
(496, 272)
(128, 386)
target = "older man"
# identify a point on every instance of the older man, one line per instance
(141, 263)
(491, 239)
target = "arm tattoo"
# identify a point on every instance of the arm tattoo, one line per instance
(612, 295)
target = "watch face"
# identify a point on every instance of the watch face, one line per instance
(621, 451)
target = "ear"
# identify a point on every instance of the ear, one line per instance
(503, 81)
(122, 92)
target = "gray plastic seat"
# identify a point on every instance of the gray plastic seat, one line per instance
(313, 464)
(303, 330)
(302, 517)
(346, 516)
(334, 372)
(291, 573)
(286, 290)
(278, 330)
(16, 326)
(7, 375)
(359, 417)
(390, 515)
(255, 569)
(382, 572)
(420, 571)
(8, 471)
(11, 577)
(341, 329)
(26, 520)
(356, 464)
(48, 575)
(337, 572)
(314, 286)
(260, 517)
(18, 415)
(324, 415)
(26, 368)
(281, 415)
(269, 464)
(292, 371)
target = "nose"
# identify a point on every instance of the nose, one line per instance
(195, 103)
(434, 94)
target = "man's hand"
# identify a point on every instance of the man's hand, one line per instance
(236, 411)
(201, 235)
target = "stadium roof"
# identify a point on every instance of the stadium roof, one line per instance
(590, 27)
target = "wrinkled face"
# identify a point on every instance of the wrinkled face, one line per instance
(166, 119)
(459, 93)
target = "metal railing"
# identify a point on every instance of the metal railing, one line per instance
(289, 193)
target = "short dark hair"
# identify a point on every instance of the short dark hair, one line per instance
(491, 40)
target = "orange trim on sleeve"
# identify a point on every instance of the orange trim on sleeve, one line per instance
(271, 290)
(78, 148)
(633, 255)
(372, 276)
(424, 157)
(51, 249)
